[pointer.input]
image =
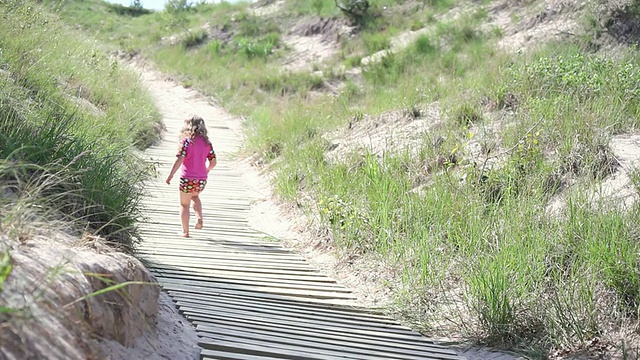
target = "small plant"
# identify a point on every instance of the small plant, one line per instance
(215, 47)
(353, 61)
(194, 38)
(423, 45)
(466, 115)
(416, 25)
(254, 49)
(376, 42)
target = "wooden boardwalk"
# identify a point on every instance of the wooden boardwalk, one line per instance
(249, 298)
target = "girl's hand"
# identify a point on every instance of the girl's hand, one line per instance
(169, 180)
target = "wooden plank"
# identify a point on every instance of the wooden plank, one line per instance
(293, 310)
(282, 284)
(228, 264)
(216, 286)
(411, 344)
(270, 299)
(360, 333)
(239, 268)
(204, 292)
(239, 256)
(289, 305)
(207, 354)
(342, 344)
(252, 350)
(220, 248)
(315, 277)
(298, 313)
(257, 347)
(346, 327)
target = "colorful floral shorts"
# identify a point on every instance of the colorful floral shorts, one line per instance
(192, 185)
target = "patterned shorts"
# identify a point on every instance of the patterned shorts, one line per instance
(192, 186)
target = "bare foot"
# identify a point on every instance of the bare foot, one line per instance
(199, 224)
(186, 235)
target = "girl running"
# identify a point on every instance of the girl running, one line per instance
(193, 152)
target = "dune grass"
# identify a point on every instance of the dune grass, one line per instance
(477, 251)
(69, 110)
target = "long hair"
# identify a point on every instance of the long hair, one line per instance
(194, 126)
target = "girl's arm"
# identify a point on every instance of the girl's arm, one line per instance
(212, 158)
(176, 166)
(212, 164)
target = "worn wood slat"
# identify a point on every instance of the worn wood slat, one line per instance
(216, 286)
(252, 350)
(336, 343)
(240, 269)
(223, 355)
(266, 283)
(289, 306)
(289, 278)
(356, 338)
(273, 342)
(276, 300)
(223, 245)
(257, 347)
(275, 314)
(402, 340)
(204, 314)
(228, 263)
(240, 257)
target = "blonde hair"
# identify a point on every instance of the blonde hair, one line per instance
(194, 126)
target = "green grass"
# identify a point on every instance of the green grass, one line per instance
(476, 251)
(70, 112)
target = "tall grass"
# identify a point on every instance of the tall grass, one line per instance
(66, 108)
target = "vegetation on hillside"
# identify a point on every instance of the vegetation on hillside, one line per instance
(462, 215)
(71, 118)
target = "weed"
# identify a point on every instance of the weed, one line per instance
(255, 49)
(467, 115)
(193, 38)
(376, 42)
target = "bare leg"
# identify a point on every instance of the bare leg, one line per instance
(197, 208)
(185, 199)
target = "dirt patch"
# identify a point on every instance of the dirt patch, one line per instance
(314, 40)
(403, 40)
(624, 24)
(391, 131)
(617, 191)
(525, 27)
(266, 7)
(172, 337)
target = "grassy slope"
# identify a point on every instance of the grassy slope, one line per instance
(511, 275)
(70, 117)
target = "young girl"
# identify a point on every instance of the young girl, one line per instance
(193, 152)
